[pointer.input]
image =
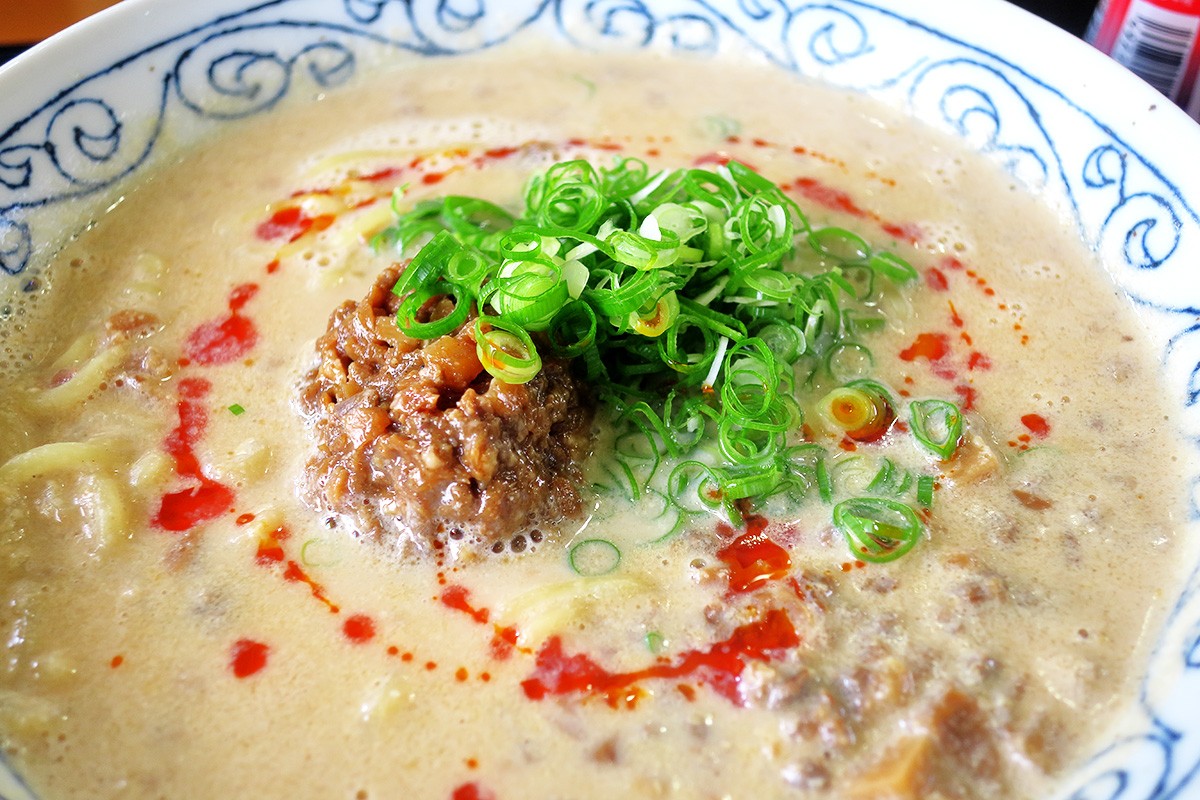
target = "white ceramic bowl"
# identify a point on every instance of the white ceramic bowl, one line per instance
(92, 107)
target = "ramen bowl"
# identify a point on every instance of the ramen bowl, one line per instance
(92, 111)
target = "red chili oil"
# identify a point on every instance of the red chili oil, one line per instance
(224, 340)
(720, 666)
(248, 657)
(754, 559)
(1037, 425)
(359, 628)
(204, 499)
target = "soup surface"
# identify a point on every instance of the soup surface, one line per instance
(182, 617)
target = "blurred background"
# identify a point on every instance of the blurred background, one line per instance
(26, 22)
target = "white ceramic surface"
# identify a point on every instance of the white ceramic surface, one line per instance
(93, 107)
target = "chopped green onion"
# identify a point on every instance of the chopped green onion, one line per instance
(824, 482)
(937, 425)
(690, 299)
(861, 409)
(505, 350)
(470, 218)
(785, 340)
(324, 557)
(467, 268)
(882, 482)
(752, 482)
(529, 293)
(852, 474)
(573, 331)
(877, 529)
(841, 245)
(848, 360)
(878, 392)
(892, 267)
(237, 410)
(411, 305)
(802, 463)
(848, 409)
(925, 487)
(594, 557)
(428, 264)
(658, 319)
(694, 486)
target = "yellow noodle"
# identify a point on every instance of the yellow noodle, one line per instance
(151, 469)
(96, 464)
(341, 237)
(253, 460)
(363, 225)
(146, 279)
(82, 384)
(292, 248)
(315, 205)
(79, 350)
(546, 610)
(342, 162)
(149, 267)
(109, 510)
(57, 457)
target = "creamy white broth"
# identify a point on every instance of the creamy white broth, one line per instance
(121, 675)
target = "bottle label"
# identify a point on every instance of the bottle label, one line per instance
(1157, 40)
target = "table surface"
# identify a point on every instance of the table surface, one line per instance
(23, 22)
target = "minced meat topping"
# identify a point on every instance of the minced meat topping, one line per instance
(418, 444)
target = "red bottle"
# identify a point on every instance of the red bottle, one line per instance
(1159, 40)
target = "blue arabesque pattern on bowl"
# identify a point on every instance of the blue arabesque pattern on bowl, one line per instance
(78, 145)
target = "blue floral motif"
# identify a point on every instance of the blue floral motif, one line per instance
(1151, 228)
(77, 147)
(229, 84)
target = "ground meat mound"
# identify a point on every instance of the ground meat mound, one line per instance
(419, 445)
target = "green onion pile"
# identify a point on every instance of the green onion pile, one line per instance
(693, 301)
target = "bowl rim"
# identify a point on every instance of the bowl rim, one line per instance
(1147, 128)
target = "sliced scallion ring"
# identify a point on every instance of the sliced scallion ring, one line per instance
(848, 408)
(753, 482)
(694, 486)
(505, 350)
(529, 293)
(573, 329)
(840, 244)
(860, 409)
(406, 314)
(427, 265)
(785, 340)
(594, 557)
(937, 426)
(877, 529)
(658, 319)
(848, 360)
